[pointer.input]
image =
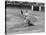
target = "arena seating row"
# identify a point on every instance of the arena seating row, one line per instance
(25, 5)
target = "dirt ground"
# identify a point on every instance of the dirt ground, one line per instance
(15, 21)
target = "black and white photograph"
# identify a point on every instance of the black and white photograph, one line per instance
(24, 17)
